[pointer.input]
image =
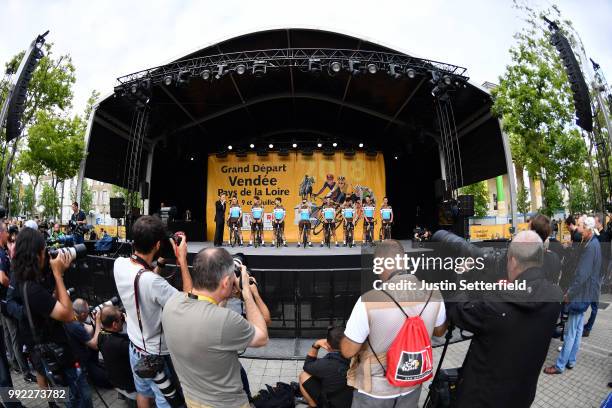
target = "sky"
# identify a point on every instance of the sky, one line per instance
(108, 39)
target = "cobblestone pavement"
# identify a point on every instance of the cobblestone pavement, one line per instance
(583, 387)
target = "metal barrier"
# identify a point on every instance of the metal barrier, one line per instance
(302, 302)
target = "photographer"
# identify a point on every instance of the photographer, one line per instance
(83, 338)
(204, 339)
(115, 348)
(77, 223)
(45, 335)
(512, 331)
(144, 310)
(12, 342)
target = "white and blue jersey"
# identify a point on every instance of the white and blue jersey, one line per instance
(386, 213)
(257, 212)
(279, 213)
(304, 214)
(368, 211)
(329, 213)
(348, 213)
(235, 212)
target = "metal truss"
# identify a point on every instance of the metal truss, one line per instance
(305, 59)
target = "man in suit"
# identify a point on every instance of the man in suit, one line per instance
(220, 219)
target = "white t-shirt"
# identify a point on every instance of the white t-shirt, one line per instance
(153, 293)
(358, 330)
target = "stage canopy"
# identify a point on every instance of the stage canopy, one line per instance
(202, 116)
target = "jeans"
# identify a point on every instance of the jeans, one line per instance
(571, 341)
(589, 325)
(5, 376)
(13, 344)
(80, 393)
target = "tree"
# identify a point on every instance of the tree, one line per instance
(28, 201)
(579, 201)
(57, 144)
(553, 200)
(522, 200)
(481, 197)
(27, 163)
(534, 100)
(86, 201)
(16, 192)
(50, 202)
(50, 89)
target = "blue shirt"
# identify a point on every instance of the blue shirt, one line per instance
(279, 213)
(304, 214)
(329, 213)
(386, 213)
(368, 211)
(235, 212)
(257, 212)
(347, 212)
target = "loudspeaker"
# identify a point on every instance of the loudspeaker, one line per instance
(580, 91)
(144, 190)
(117, 207)
(18, 99)
(466, 205)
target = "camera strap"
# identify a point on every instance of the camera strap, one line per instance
(141, 261)
(137, 302)
(35, 335)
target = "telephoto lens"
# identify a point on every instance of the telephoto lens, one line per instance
(114, 301)
(78, 251)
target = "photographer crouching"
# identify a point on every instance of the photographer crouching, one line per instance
(144, 294)
(46, 306)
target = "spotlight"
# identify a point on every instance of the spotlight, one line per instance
(349, 153)
(229, 147)
(354, 67)
(410, 73)
(183, 77)
(371, 152)
(283, 151)
(206, 74)
(271, 146)
(259, 68)
(328, 152)
(168, 80)
(372, 68)
(360, 145)
(262, 152)
(314, 65)
(447, 80)
(134, 88)
(307, 151)
(119, 90)
(240, 69)
(396, 157)
(335, 144)
(319, 145)
(191, 158)
(241, 153)
(393, 72)
(294, 145)
(252, 146)
(335, 66)
(220, 71)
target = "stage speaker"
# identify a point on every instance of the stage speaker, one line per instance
(117, 207)
(144, 190)
(580, 91)
(466, 205)
(18, 100)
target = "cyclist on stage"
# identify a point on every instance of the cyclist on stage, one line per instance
(368, 217)
(235, 218)
(386, 215)
(279, 220)
(329, 214)
(348, 216)
(304, 211)
(257, 213)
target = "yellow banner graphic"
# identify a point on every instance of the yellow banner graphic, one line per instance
(289, 178)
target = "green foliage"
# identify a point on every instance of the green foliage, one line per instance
(553, 200)
(133, 197)
(57, 144)
(50, 201)
(16, 191)
(28, 200)
(86, 201)
(27, 163)
(534, 100)
(481, 197)
(522, 200)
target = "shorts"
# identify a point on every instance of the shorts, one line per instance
(146, 386)
(303, 224)
(255, 225)
(410, 400)
(281, 225)
(232, 221)
(313, 388)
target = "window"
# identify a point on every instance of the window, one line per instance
(94, 197)
(104, 197)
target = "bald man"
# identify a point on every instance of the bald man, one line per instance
(512, 331)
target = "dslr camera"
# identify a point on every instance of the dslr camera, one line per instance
(239, 261)
(65, 244)
(165, 249)
(114, 301)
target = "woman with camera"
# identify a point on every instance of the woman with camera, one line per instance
(46, 306)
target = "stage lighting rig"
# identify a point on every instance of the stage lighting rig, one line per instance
(361, 145)
(240, 69)
(335, 66)
(335, 144)
(372, 68)
(394, 71)
(271, 146)
(314, 65)
(262, 152)
(241, 153)
(252, 146)
(283, 151)
(294, 145)
(183, 78)
(259, 68)
(350, 152)
(371, 152)
(168, 80)
(220, 71)
(319, 145)
(206, 74)
(230, 147)
(307, 151)
(119, 91)
(410, 73)
(354, 67)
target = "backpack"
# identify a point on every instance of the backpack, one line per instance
(281, 396)
(410, 356)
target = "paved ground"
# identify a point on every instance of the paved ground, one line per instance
(583, 387)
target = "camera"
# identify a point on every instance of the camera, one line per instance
(165, 249)
(55, 360)
(114, 301)
(239, 261)
(75, 252)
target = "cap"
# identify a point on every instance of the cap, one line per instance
(31, 224)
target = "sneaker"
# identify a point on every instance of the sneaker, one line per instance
(321, 245)
(285, 244)
(29, 377)
(569, 367)
(337, 245)
(586, 333)
(344, 245)
(298, 245)
(310, 244)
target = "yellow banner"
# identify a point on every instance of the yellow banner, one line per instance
(110, 230)
(496, 231)
(284, 177)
